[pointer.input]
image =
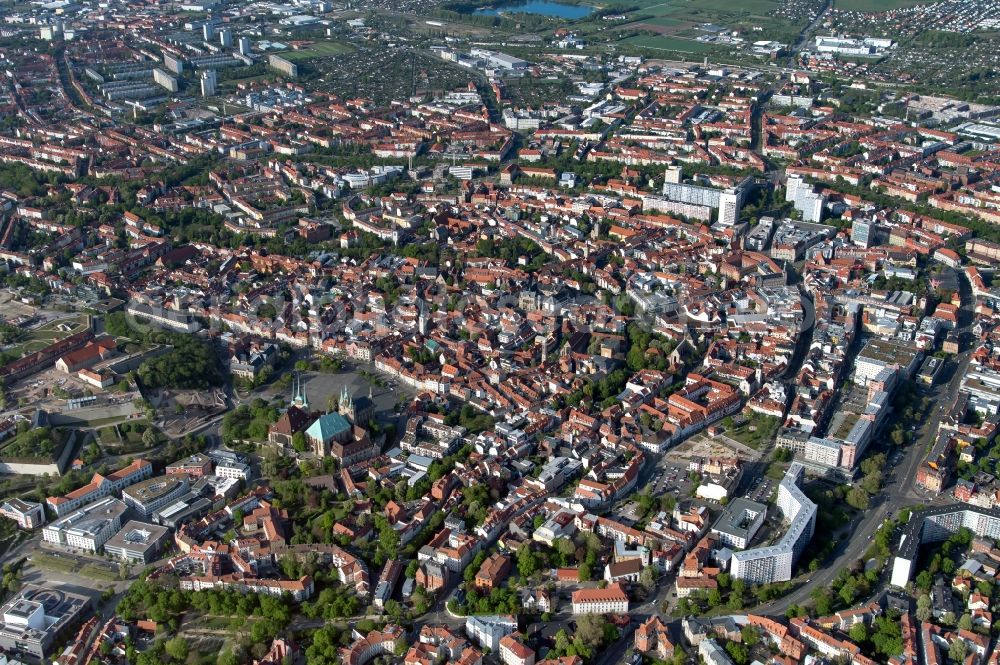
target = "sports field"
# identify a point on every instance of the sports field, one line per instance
(317, 50)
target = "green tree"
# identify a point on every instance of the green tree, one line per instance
(858, 498)
(957, 650)
(177, 648)
(738, 652)
(590, 629)
(527, 562)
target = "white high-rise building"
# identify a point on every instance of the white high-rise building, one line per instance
(209, 81)
(244, 46)
(208, 32)
(226, 38)
(805, 199)
(774, 563)
(729, 207)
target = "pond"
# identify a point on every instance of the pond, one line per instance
(542, 7)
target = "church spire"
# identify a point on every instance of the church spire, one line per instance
(299, 398)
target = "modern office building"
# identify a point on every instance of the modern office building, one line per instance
(28, 514)
(775, 563)
(150, 495)
(805, 199)
(880, 354)
(233, 469)
(868, 233)
(195, 466)
(35, 617)
(487, 631)
(88, 528)
(137, 542)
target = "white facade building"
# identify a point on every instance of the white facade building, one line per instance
(764, 565)
(88, 528)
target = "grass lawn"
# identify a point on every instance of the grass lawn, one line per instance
(317, 50)
(36, 340)
(10, 536)
(727, 6)
(99, 572)
(100, 422)
(59, 329)
(108, 436)
(776, 470)
(674, 44)
(43, 560)
(755, 439)
(755, 432)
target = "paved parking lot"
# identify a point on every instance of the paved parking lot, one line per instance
(763, 490)
(671, 477)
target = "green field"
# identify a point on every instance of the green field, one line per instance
(665, 22)
(99, 571)
(766, 19)
(52, 562)
(317, 50)
(685, 7)
(876, 5)
(674, 44)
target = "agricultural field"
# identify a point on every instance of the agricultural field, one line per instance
(753, 20)
(869, 6)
